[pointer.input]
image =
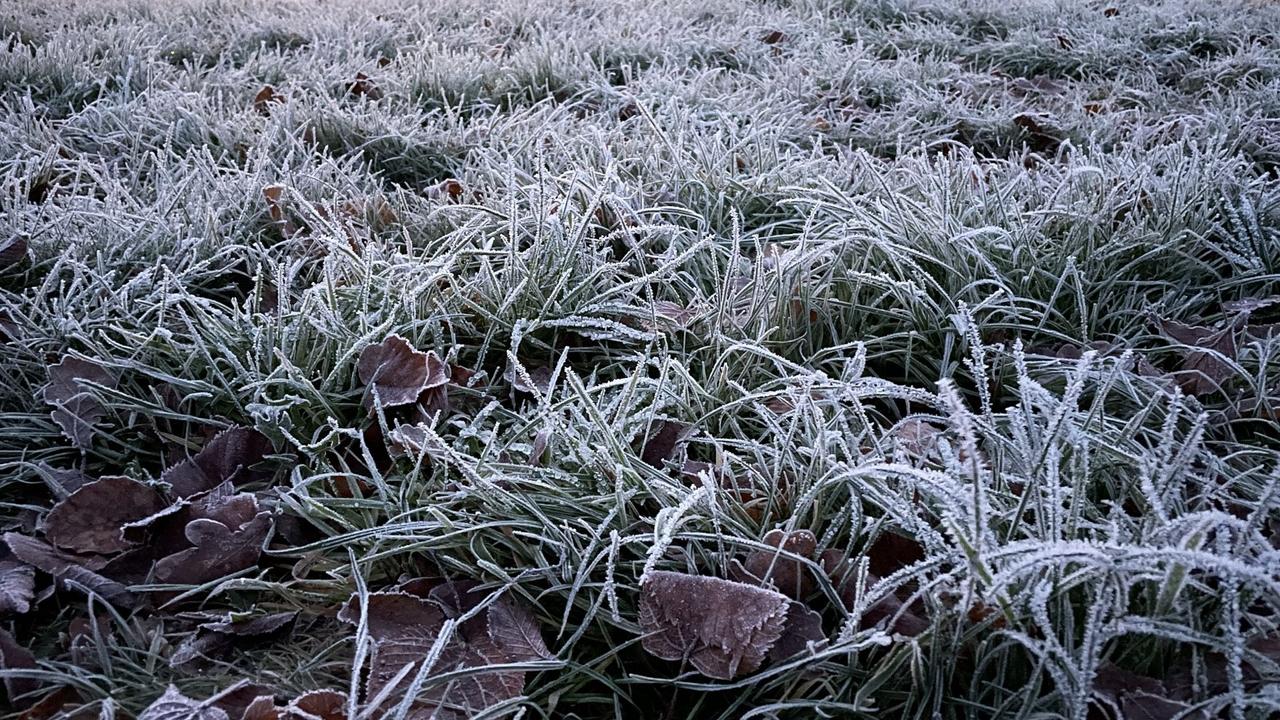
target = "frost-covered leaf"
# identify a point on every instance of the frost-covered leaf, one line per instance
(1208, 364)
(67, 569)
(213, 638)
(515, 630)
(802, 628)
(529, 380)
(17, 582)
(398, 372)
(779, 568)
(13, 250)
(228, 456)
(173, 705)
(724, 628)
(218, 551)
(665, 437)
(265, 98)
(405, 626)
(92, 517)
(76, 410)
(15, 657)
(316, 705)
(891, 552)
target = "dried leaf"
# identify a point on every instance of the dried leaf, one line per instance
(265, 98)
(398, 372)
(62, 482)
(665, 437)
(67, 569)
(1205, 369)
(173, 705)
(514, 629)
(213, 638)
(803, 626)
(17, 583)
(15, 657)
(76, 411)
(891, 552)
(228, 456)
(538, 380)
(316, 705)
(405, 627)
(780, 568)
(723, 628)
(262, 708)
(218, 551)
(274, 195)
(13, 251)
(773, 37)
(91, 518)
(236, 700)
(365, 87)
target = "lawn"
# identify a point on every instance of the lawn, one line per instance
(709, 359)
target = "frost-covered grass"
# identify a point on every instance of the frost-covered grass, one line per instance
(903, 273)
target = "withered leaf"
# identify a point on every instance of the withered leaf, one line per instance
(15, 657)
(404, 627)
(76, 410)
(218, 551)
(773, 37)
(67, 569)
(173, 705)
(723, 628)
(365, 87)
(262, 708)
(17, 582)
(228, 456)
(891, 552)
(538, 380)
(62, 482)
(1208, 366)
(398, 372)
(265, 98)
(1137, 697)
(803, 627)
(274, 195)
(316, 705)
(664, 439)
(515, 630)
(215, 637)
(237, 699)
(13, 250)
(92, 517)
(788, 574)
(901, 619)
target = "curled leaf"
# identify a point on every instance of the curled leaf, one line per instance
(92, 517)
(723, 628)
(1207, 366)
(397, 373)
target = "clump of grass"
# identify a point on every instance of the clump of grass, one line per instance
(899, 274)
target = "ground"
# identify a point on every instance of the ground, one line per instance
(706, 359)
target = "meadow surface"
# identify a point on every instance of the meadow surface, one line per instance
(685, 359)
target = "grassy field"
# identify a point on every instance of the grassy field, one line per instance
(688, 359)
